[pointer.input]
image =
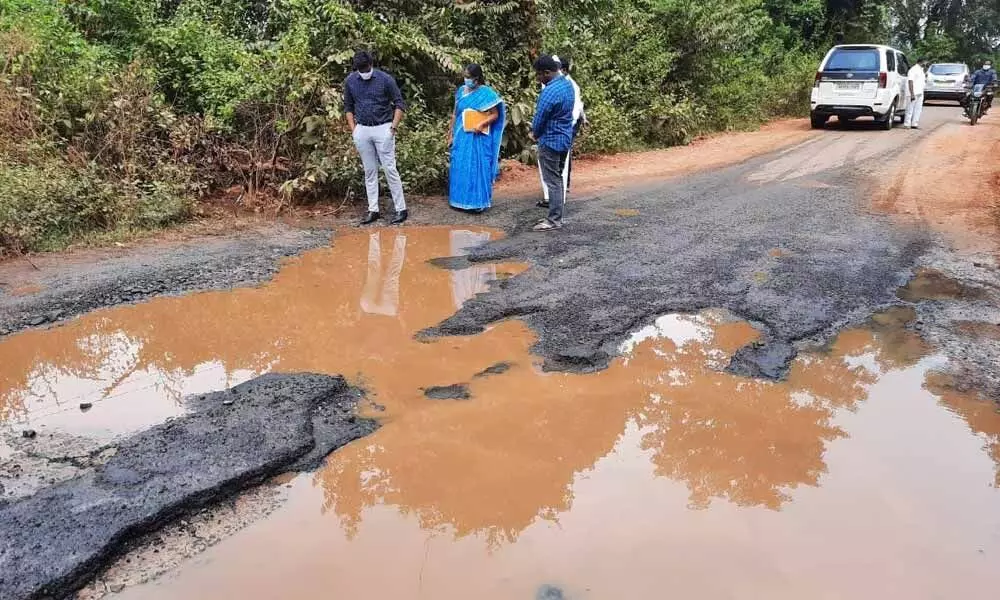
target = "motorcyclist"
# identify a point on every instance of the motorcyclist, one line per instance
(988, 77)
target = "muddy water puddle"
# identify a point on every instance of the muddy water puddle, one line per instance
(660, 477)
(351, 309)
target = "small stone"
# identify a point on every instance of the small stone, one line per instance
(85, 406)
(29, 433)
(55, 315)
(37, 321)
(116, 587)
(227, 402)
(978, 264)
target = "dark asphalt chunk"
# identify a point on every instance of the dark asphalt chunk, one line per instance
(451, 263)
(768, 360)
(498, 369)
(458, 391)
(56, 539)
(701, 242)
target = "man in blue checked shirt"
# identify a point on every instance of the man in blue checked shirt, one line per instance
(552, 128)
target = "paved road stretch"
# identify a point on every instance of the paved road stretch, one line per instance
(785, 241)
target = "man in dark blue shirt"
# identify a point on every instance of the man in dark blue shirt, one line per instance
(988, 77)
(552, 128)
(985, 76)
(374, 107)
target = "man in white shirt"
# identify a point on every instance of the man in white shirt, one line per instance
(917, 81)
(579, 119)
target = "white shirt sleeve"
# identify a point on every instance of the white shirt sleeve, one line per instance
(577, 101)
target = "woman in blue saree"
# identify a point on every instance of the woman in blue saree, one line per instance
(477, 125)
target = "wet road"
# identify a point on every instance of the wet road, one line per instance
(858, 476)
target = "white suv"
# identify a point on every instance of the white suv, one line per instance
(861, 81)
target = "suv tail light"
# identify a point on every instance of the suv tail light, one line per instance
(819, 77)
(883, 79)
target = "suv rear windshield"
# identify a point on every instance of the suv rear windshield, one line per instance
(947, 69)
(853, 59)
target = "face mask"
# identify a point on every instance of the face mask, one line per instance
(368, 75)
(470, 83)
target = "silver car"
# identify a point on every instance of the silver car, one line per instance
(946, 81)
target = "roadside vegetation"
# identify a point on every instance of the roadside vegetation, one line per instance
(120, 114)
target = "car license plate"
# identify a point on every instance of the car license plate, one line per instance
(848, 85)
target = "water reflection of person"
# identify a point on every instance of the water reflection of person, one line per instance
(466, 283)
(381, 291)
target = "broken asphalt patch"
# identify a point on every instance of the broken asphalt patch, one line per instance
(57, 538)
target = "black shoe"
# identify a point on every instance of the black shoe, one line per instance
(542, 204)
(370, 217)
(400, 217)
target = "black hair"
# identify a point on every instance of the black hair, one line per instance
(477, 73)
(362, 60)
(546, 63)
(566, 62)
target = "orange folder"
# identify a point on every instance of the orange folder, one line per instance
(472, 119)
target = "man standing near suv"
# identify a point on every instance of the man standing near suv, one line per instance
(917, 82)
(374, 108)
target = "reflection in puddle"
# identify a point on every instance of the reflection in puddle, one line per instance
(466, 283)
(850, 480)
(349, 309)
(381, 293)
(660, 474)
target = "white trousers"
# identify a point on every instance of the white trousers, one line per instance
(913, 111)
(381, 292)
(377, 147)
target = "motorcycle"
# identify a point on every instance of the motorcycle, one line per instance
(976, 103)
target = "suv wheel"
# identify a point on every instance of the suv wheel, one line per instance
(890, 118)
(818, 121)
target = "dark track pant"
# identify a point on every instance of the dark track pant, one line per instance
(552, 162)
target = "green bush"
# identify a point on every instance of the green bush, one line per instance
(422, 155)
(49, 203)
(43, 204)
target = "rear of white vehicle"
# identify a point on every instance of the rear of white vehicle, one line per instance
(947, 81)
(860, 81)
